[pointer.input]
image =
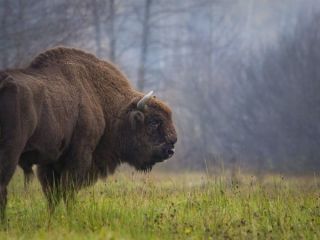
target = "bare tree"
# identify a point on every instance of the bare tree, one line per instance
(96, 12)
(111, 30)
(4, 32)
(144, 44)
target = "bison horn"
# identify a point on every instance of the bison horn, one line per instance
(142, 103)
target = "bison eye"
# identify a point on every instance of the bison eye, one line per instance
(154, 124)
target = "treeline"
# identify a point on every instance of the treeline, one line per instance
(241, 76)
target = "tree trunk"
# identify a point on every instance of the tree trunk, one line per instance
(97, 26)
(20, 35)
(144, 45)
(4, 17)
(111, 32)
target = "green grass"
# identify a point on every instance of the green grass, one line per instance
(172, 206)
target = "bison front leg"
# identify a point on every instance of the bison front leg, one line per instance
(51, 185)
(77, 163)
(68, 195)
(76, 173)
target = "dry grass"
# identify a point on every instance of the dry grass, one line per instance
(172, 206)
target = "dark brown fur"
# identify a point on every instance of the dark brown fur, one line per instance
(76, 118)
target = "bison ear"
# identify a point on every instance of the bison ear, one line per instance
(136, 119)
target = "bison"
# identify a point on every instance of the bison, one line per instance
(77, 118)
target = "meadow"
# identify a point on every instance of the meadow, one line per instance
(158, 205)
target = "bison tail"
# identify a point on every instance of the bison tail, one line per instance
(4, 79)
(10, 108)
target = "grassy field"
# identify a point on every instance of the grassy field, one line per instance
(172, 206)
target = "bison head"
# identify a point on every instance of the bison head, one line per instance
(148, 134)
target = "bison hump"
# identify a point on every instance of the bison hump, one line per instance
(60, 55)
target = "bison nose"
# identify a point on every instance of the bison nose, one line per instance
(173, 140)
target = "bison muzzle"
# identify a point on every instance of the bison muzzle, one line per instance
(77, 118)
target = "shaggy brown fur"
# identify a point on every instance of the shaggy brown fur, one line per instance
(76, 118)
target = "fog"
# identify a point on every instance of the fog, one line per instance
(241, 76)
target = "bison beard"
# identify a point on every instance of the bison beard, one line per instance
(77, 118)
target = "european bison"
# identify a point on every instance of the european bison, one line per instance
(77, 118)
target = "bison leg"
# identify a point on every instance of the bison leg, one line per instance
(8, 163)
(10, 151)
(76, 173)
(26, 161)
(28, 176)
(68, 195)
(17, 121)
(51, 185)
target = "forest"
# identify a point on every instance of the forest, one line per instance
(242, 77)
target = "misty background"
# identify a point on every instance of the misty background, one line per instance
(242, 76)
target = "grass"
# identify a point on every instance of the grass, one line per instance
(172, 206)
